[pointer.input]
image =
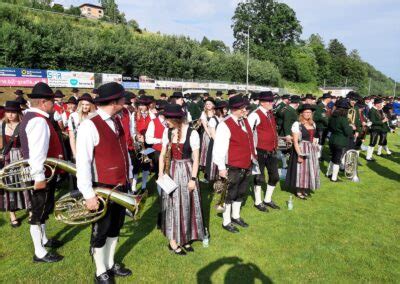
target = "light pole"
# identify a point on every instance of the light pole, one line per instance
(248, 60)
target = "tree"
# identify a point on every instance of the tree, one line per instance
(58, 8)
(322, 57)
(134, 25)
(73, 11)
(214, 45)
(111, 12)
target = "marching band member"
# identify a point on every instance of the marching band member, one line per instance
(11, 152)
(209, 122)
(303, 170)
(341, 130)
(58, 108)
(177, 98)
(354, 118)
(142, 120)
(221, 110)
(233, 154)
(39, 140)
(263, 123)
(379, 128)
(182, 220)
(127, 119)
(102, 159)
(70, 108)
(84, 110)
(321, 119)
(364, 125)
(288, 116)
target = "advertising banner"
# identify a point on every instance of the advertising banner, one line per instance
(70, 79)
(20, 77)
(147, 86)
(107, 78)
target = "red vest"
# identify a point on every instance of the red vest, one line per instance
(110, 156)
(55, 147)
(158, 133)
(126, 122)
(267, 138)
(58, 108)
(142, 124)
(241, 145)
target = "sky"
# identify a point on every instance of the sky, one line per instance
(370, 26)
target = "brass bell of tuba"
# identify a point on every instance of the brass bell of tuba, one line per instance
(16, 176)
(351, 165)
(71, 209)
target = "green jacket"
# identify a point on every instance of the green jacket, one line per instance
(278, 114)
(194, 110)
(200, 104)
(320, 118)
(289, 116)
(376, 118)
(341, 131)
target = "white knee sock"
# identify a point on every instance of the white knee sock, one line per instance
(111, 244)
(386, 148)
(268, 194)
(329, 170)
(145, 174)
(320, 151)
(284, 161)
(335, 172)
(44, 236)
(236, 209)
(134, 182)
(370, 151)
(227, 214)
(379, 152)
(257, 194)
(36, 234)
(99, 256)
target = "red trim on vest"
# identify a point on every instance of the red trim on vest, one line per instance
(55, 146)
(241, 145)
(142, 124)
(110, 156)
(158, 133)
(126, 124)
(58, 108)
(267, 138)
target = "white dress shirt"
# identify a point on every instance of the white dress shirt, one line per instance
(254, 119)
(221, 143)
(87, 139)
(73, 121)
(150, 139)
(38, 134)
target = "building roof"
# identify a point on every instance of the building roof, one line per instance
(91, 5)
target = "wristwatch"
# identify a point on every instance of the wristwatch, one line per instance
(194, 178)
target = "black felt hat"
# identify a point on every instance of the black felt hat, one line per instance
(295, 99)
(267, 96)
(210, 99)
(177, 95)
(19, 92)
(237, 102)
(59, 94)
(142, 92)
(219, 93)
(86, 97)
(75, 90)
(232, 92)
(72, 100)
(304, 107)
(173, 111)
(326, 96)
(378, 100)
(254, 96)
(41, 91)
(21, 100)
(109, 92)
(12, 106)
(309, 97)
(221, 104)
(342, 103)
(144, 100)
(286, 97)
(129, 95)
(161, 104)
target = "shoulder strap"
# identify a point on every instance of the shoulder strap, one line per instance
(8, 147)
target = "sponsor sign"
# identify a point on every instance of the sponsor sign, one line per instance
(107, 78)
(70, 79)
(20, 77)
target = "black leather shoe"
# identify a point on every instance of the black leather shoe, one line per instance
(53, 243)
(272, 205)
(231, 228)
(118, 270)
(48, 258)
(188, 248)
(104, 278)
(240, 222)
(328, 176)
(261, 207)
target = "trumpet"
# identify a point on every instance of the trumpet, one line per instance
(139, 149)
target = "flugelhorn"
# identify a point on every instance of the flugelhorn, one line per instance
(17, 177)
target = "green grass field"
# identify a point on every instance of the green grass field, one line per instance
(347, 233)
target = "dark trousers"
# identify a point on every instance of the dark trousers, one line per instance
(109, 226)
(374, 138)
(42, 203)
(322, 134)
(238, 181)
(155, 156)
(337, 153)
(267, 160)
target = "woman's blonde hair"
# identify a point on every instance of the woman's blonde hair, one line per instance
(19, 117)
(310, 122)
(81, 115)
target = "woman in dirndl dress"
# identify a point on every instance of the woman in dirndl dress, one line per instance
(209, 122)
(303, 170)
(182, 219)
(12, 201)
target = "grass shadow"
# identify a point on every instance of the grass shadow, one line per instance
(383, 171)
(238, 272)
(207, 196)
(68, 233)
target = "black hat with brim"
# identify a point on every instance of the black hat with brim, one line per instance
(237, 102)
(144, 100)
(304, 107)
(285, 97)
(177, 95)
(219, 93)
(86, 97)
(72, 100)
(12, 106)
(161, 104)
(378, 101)
(142, 92)
(21, 100)
(309, 97)
(326, 96)
(75, 90)
(41, 91)
(173, 111)
(267, 96)
(109, 92)
(221, 104)
(58, 94)
(295, 99)
(342, 103)
(254, 96)
(209, 99)
(232, 92)
(19, 92)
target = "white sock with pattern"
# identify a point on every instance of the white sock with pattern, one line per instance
(227, 214)
(335, 172)
(268, 194)
(236, 209)
(111, 245)
(99, 256)
(257, 194)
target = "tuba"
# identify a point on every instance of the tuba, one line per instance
(16, 176)
(71, 209)
(351, 165)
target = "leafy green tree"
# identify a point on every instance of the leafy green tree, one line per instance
(111, 12)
